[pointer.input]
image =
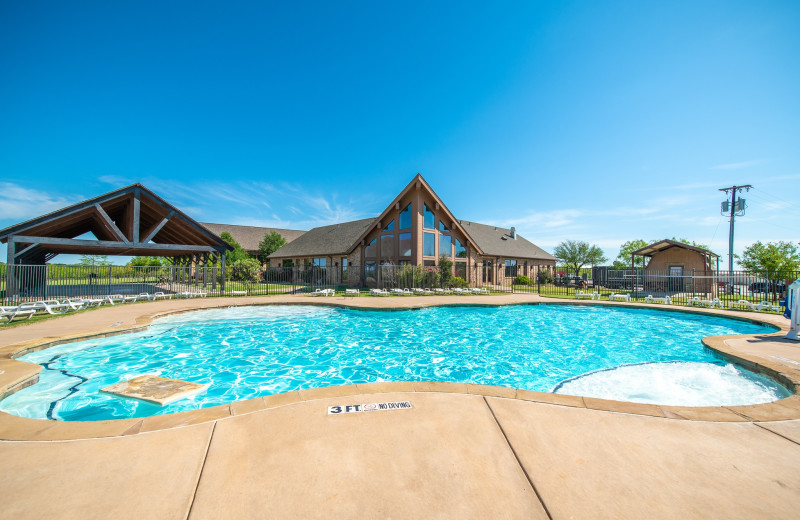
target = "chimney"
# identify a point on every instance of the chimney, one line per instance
(514, 233)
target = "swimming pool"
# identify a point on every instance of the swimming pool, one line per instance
(247, 352)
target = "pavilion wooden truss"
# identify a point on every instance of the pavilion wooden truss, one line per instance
(131, 221)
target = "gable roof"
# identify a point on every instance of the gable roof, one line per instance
(661, 245)
(249, 237)
(129, 221)
(497, 241)
(417, 181)
(336, 239)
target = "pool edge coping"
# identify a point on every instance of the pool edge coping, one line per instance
(16, 428)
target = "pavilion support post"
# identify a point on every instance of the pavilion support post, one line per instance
(205, 270)
(222, 278)
(214, 271)
(11, 279)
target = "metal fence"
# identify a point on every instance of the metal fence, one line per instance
(731, 289)
(38, 282)
(20, 283)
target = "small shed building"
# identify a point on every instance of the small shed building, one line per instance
(674, 265)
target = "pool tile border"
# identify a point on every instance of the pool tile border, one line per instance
(15, 375)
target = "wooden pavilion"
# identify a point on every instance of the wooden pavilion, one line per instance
(131, 221)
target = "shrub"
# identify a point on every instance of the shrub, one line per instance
(246, 270)
(522, 280)
(457, 281)
(545, 277)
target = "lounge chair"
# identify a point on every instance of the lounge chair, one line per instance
(352, 292)
(49, 306)
(742, 304)
(323, 292)
(621, 297)
(113, 299)
(658, 299)
(407, 292)
(238, 293)
(159, 294)
(584, 295)
(379, 292)
(766, 306)
(130, 299)
(398, 292)
(9, 313)
(77, 304)
(716, 302)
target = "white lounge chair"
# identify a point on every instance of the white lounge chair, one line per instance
(77, 304)
(238, 293)
(114, 299)
(130, 299)
(658, 299)
(742, 304)
(160, 294)
(324, 292)
(716, 302)
(619, 297)
(11, 312)
(584, 295)
(49, 306)
(395, 290)
(352, 292)
(766, 306)
(379, 292)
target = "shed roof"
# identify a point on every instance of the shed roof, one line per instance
(249, 237)
(325, 241)
(662, 245)
(497, 241)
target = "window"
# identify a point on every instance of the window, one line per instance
(445, 241)
(461, 251)
(429, 263)
(389, 226)
(405, 244)
(405, 262)
(344, 268)
(428, 244)
(487, 272)
(404, 222)
(387, 246)
(511, 268)
(319, 262)
(372, 248)
(287, 264)
(430, 220)
(370, 272)
(461, 270)
(442, 227)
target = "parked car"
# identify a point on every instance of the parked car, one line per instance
(765, 287)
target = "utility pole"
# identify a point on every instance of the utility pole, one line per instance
(736, 209)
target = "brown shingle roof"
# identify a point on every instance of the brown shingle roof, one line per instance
(325, 241)
(250, 236)
(497, 241)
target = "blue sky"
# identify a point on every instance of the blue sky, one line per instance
(596, 121)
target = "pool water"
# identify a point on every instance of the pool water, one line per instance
(247, 352)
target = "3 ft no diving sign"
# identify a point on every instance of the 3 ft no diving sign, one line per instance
(369, 407)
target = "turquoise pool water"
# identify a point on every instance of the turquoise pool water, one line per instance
(246, 352)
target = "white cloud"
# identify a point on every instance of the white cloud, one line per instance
(738, 165)
(19, 203)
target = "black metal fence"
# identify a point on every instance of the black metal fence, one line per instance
(723, 289)
(42, 282)
(737, 289)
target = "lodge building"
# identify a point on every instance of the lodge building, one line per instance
(416, 228)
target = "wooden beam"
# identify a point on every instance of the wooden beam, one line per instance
(153, 232)
(24, 250)
(110, 224)
(137, 193)
(94, 244)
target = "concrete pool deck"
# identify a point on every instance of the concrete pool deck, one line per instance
(461, 451)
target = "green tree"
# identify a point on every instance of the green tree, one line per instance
(246, 270)
(94, 260)
(623, 260)
(574, 254)
(147, 261)
(271, 243)
(238, 252)
(770, 259)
